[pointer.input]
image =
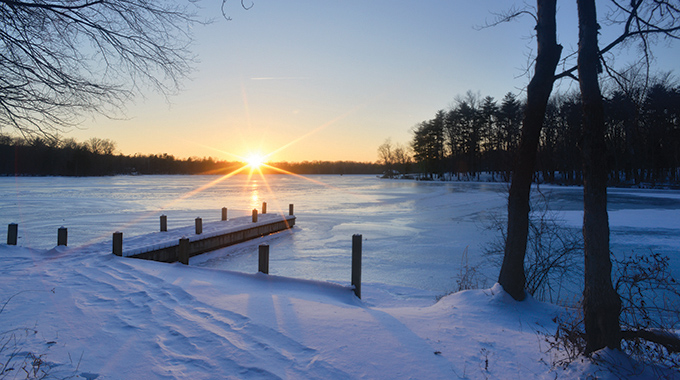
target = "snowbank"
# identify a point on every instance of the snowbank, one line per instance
(100, 316)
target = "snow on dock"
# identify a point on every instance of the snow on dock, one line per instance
(166, 246)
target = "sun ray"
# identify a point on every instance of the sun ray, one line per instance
(314, 181)
(255, 162)
(169, 204)
(317, 129)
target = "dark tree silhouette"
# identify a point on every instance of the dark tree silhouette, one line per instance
(642, 135)
(601, 304)
(512, 276)
(643, 20)
(510, 121)
(386, 157)
(428, 144)
(64, 58)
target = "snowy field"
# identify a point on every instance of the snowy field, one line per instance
(88, 314)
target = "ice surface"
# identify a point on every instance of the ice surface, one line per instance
(414, 233)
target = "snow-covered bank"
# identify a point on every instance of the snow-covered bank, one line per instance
(93, 315)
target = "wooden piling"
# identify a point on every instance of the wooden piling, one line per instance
(290, 209)
(62, 236)
(356, 264)
(183, 251)
(263, 258)
(264, 207)
(199, 226)
(164, 223)
(118, 243)
(224, 213)
(254, 215)
(12, 233)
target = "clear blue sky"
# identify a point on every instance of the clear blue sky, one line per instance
(331, 80)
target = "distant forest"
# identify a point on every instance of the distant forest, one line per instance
(41, 156)
(478, 135)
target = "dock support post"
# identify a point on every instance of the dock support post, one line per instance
(199, 226)
(12, 233)
(356, 264)
(224, 213)
(183, 254)
(290, 209)
(254, 215)
(62, 236)
(118, 243)
(164, 223)
(263, 258)
(264, 207)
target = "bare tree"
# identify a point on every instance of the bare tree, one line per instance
(601, 304)
(70, 143)
(62, 59)
(642, 20)
(512, 276)
(386, 156)
(100, 146)
(402, 158)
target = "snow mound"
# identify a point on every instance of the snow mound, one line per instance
(99, 316)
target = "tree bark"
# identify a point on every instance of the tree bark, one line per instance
(512, 276)
(601, 303)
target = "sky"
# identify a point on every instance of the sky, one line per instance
(321, 80)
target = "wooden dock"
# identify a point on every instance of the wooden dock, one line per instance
(182, 243)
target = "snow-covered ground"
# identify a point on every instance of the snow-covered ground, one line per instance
(89, 314)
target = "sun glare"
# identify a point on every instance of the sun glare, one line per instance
(255, 161)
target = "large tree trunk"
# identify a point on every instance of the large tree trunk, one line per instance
(601, 304)
(512, 276)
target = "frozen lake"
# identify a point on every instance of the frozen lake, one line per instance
(415, 233)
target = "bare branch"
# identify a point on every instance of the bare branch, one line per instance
(641, 20)
(243, 5)
(511, 14)
(50, 6)
(665, 338)
(61, 59)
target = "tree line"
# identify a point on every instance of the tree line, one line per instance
(322, 167)
(54, 156)
(477, 134)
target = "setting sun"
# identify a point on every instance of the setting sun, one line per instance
(255, 160)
